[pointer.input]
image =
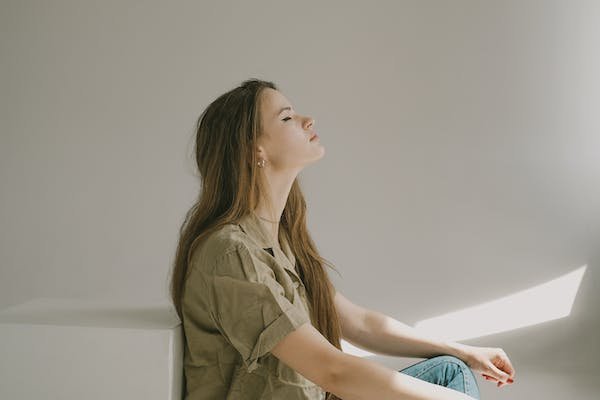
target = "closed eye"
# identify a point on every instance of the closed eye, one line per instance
(285, 119)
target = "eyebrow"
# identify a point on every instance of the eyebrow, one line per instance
(283, 109)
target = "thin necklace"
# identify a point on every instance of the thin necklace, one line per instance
(268, 220)
(275, 240)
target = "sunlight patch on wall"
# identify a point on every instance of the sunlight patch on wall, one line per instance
(545, 302)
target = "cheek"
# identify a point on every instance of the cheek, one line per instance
(298, 145)
(290, 141)
(289, 149)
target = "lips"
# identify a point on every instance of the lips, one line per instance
(313, 136)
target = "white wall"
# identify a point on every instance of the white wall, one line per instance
(462, 149)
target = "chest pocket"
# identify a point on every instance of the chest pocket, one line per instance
(300, 296)
(296, 282)
(293, 286)
(285, 279)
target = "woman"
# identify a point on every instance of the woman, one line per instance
(261, 317)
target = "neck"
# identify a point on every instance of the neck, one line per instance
(278, 189)
(270, 225)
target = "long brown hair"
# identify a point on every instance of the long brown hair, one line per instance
(231, 186)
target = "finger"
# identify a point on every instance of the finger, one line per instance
(498, 374)
(490, 378)
(508, 368)
(509, 372)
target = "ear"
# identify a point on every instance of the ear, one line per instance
(260, 151)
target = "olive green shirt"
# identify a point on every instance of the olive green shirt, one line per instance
(242, 295)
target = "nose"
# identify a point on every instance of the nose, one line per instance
(311, 122)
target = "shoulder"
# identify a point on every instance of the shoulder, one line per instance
(219, 245)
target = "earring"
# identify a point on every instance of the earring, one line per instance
(261, 163)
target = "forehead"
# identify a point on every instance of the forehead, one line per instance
(272, 102)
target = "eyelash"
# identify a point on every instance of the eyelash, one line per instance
(287, 118)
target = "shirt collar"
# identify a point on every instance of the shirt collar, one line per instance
(253, 227)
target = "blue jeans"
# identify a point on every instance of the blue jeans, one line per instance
(448, 371)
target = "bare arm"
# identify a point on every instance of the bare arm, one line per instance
(380, 333)
(385, 335)
(361, 379)
(350, 377)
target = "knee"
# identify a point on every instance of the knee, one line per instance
(456, 363)
(452, 359)
(454, 366)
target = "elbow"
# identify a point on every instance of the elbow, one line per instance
(335, 375)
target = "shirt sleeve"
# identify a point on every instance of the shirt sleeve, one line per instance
(248, 305)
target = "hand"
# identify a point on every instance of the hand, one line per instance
(491, 362)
